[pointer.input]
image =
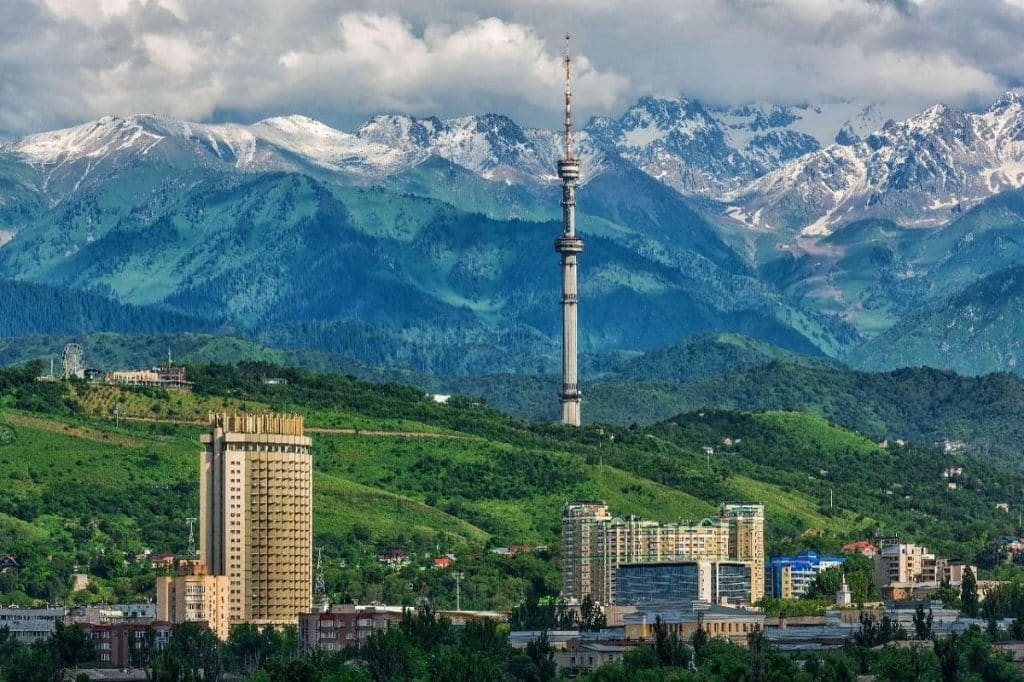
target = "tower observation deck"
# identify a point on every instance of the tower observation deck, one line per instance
(569, 245)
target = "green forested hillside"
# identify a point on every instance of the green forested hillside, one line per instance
(709, 371)
(434, 268)
(395, 469)
(27, 308)
(723, 371)
(975, 331)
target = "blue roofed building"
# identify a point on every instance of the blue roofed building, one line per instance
(790, 577)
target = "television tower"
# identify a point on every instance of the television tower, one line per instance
(569, 245)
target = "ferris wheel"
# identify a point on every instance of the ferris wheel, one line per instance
(72, 361)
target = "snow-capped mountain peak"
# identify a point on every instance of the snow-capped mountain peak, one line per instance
(914, 171)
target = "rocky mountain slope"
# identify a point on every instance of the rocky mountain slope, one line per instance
(920, 171)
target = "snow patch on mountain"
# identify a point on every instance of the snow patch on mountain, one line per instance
(914, 171)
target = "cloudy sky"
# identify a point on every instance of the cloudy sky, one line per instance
(67, 61)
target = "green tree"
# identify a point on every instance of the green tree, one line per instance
(698, 641)
(897, 664)
(1017, 629)
(948, 595)
(722, 659)
(642, 657)
(757, 647)
(146, 654)
(947, 650)
(923, 622)
(193, 653)
(542, 654)
(591, 618)
(969, 593)
(455, 664)
(71, 646)
(873, 632)
(671, 652)
(389, 656)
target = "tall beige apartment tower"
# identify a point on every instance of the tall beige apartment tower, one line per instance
(746, 538)
(256, 515)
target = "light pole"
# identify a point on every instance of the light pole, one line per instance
(458, 575)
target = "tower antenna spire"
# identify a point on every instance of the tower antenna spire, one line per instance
(568, 101)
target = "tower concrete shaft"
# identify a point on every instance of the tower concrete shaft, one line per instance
(569, 246)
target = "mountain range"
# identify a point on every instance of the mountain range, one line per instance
(823, 229)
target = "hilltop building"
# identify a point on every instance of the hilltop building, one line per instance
(157, 377)
(595, 545)
(790, 577)
(255, 527)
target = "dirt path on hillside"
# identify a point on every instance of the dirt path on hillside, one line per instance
(316, 429)
(70, 430)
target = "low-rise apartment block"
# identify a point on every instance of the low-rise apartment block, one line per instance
(124, 645)
(31, 625)
(790, 577)
(340, 625)
(904, 569)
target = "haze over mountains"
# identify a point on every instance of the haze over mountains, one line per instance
(427, 242)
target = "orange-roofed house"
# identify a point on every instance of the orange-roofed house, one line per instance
(862, 546)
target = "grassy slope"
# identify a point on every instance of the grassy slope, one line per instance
(82, 486)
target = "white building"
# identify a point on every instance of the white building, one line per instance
(31, 625)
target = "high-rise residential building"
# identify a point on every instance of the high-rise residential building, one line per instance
(582, 525)
(256, 514)
(595, 544)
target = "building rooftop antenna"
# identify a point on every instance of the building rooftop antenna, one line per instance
(191, 521)
(319, 584)
(568, 101)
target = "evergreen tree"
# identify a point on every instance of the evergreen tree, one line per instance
(969, 593)
(591, 618)
(698, 642)
(948, 651)
(923, 622)
(542, 655)
(671, 652)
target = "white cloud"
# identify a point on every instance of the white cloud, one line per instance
(63, 61)
(379, 63)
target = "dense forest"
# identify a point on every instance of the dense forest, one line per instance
(27, 308)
